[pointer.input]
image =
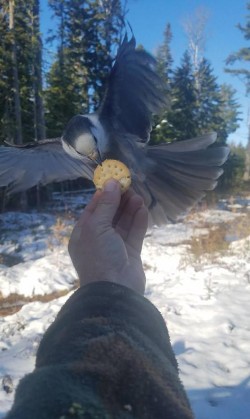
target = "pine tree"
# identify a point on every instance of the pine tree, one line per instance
(163, 131)
(197, 108)
(243, 55)
(184, 101)
(217, 108)
(25, 59)
(208, 99)
(178, 121)
(106, 29)
(88, 32)
(232, 178)
(62, 101)
(229, 113)
(39, 122)
(164, 57)
(18, 137)
(20, 59)
(10, 108)
(6, 126)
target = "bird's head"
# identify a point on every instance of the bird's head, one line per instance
(79, 139)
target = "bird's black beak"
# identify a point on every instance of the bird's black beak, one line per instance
(97, 158)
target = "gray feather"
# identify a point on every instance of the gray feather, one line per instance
(134, 92)
(177, 179)
(42, 162)
(198, 143)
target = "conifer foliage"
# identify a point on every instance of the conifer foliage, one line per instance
(36, 101)
(88, 31)
(21, 108)
(242, 56)
(197, 103)
(86, 36)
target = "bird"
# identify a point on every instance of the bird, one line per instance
(170, 177)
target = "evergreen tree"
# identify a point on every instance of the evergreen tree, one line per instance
(229, 113)
(164, 57)
(234, 168)
(18, 135)
(6, 132)
(163, 130)
(208, 100)
(243, 55)
(19, 62)
(198, 104)
(106, 28)
(88, 31)
(24, 32)
(178, 121)
(61, 100)
(197, 108)
(184, 101)
(39, 122)
(217, 108)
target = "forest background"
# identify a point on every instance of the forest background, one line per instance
(39, 95)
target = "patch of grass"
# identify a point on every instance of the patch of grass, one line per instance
(240, 226)
(213, 242)
(218, 238)
(60, 233)
(14, 302)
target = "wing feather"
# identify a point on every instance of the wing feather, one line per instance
(42, 162)
(134, 92)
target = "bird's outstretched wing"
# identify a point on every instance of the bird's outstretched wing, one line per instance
(180, 174)
(42, 162)
(134, 92)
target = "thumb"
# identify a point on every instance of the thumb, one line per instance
(108, 202)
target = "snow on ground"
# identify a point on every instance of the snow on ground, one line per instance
(206, 308)
(204, 299)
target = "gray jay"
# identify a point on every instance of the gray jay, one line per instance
(170, 177)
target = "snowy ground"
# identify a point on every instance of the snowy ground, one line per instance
(198, 275)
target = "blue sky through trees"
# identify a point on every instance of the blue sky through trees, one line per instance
(148, 19)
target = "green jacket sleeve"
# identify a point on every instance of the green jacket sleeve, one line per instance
(107, 355)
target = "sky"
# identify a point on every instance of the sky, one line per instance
(148, 19)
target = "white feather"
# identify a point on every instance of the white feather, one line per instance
(99, 133)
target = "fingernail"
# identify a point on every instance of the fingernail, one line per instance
(110, 186)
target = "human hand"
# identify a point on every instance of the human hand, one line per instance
(106, 242)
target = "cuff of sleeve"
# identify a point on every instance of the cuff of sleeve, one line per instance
(110, 299)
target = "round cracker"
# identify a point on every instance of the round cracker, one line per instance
(112, 169)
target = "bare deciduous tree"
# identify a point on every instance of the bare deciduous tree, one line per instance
(195, 29)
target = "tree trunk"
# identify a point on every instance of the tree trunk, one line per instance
(18, 119)
(195, 28)
(246, 176)
(39, 123)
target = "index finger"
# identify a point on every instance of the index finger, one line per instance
(89, 209)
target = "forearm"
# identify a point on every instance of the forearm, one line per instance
(109, 352)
